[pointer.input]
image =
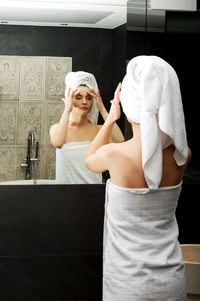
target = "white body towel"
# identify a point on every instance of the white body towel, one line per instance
(70, 165)
(142, 256)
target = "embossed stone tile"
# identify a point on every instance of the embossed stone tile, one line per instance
(32, 78)
(57, 68)
(21, 154)
(54, 111)
(33, 81)
(8, 122)
(31, 118)
(9, 77)
(7, 164)
(50, 162)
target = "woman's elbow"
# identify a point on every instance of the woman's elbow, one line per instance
(87, 163)
(56, 144)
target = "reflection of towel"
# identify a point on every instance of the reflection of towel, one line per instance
(74, 79)
(70, 165)
(150, 95)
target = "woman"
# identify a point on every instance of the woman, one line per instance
(142, 256)
(77, 127)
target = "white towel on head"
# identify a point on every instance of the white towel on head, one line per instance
(74, 79)
(150, 95)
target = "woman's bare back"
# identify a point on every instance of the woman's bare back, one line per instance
(126, 157)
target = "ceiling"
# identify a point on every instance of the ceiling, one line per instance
(106, 14)
(75, 13)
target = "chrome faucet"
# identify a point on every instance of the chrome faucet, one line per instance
(29, 160)
(31, 136)
(31, 140)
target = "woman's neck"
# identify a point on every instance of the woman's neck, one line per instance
(78, 120)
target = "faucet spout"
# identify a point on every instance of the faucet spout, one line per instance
(31, 140)
(31, 162)
(31, 137)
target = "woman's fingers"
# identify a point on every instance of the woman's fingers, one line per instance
(68, 92)
(117, 91)
(74, 93)
(117, 94)
(92, 93)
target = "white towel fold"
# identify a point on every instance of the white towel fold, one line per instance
(74, 79)
(150, 95)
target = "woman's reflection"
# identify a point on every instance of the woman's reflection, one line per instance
(77, 127)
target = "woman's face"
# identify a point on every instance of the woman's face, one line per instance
(83, 101)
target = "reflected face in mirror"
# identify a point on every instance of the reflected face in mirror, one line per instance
(83, 101)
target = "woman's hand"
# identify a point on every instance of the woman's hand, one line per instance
(115, 112)
(68, 100)
(99, 103)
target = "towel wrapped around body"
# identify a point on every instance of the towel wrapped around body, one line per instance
(142, 259)
(70, 166)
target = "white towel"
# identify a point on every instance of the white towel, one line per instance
(70, 165)
(150, 95)
(74, 79)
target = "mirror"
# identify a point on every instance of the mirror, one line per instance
(177, 40)
(40, 50)
(173, 35)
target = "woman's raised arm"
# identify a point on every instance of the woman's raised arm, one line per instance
(58, 131)
(116, 133)
(98, 152)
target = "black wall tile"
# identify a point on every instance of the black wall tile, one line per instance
(51, 278)
(92, 50)
(51, 219)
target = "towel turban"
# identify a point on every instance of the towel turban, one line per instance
(75, 79)
(150, 95)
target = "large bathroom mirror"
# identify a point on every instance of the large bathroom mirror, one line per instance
(101, 43)
(41, 41)
(176, 38)
(174, 35)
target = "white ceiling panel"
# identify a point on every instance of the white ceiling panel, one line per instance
(81, 13)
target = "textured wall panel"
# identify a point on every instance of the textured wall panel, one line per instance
(32, 78)
(9, 77)
(57, 68)
(53, 113)
(31, 88)
(7, 163)
(31, 118)
(49, 162)
(8, 122)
